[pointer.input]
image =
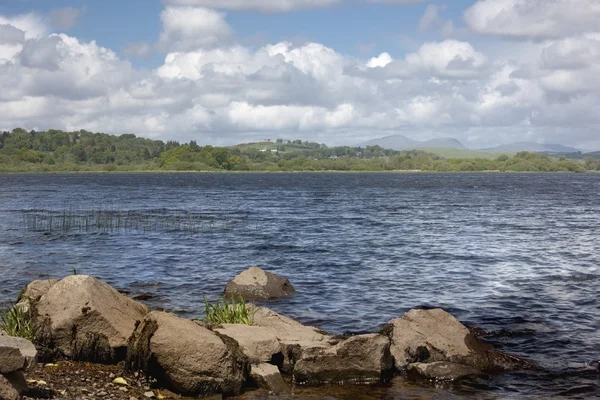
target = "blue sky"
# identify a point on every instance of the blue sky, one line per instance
(486, 72)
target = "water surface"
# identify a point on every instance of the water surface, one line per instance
(517, 254)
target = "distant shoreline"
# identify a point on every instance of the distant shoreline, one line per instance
(163, 172)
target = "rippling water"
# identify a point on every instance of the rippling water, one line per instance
(515, 254)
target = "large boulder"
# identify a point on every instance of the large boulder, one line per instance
(16, 354)
(363, 359)
(295, 338)
(186, 357)
(33, 292)
(86, 319)
(258, 284)
(442, 371)
(267, 376)
(259, 344)
(426, 336)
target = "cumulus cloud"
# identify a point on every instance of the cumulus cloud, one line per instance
(536, 19)
(212, 90)
(191, 28)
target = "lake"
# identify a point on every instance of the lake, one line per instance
(515, 254)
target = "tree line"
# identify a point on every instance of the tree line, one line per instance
(56, 150)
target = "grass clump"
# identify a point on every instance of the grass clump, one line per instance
(223, 312)
(18, 322)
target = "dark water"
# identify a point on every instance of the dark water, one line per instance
(518, 255)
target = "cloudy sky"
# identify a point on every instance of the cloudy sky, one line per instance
(486, 72)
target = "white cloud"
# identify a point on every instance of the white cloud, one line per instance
(537, 19)
(191, 28)
(212, 90)
(269, 6)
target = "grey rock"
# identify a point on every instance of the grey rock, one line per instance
(32, 293)
(16, 354)
(87, 319)
(363, 359)
(12, 385)
(259, 344)
(258, 284)
(268, 377)
(187, 357)
(427, 336)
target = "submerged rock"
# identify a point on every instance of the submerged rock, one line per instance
(426, 336)
(267, 376)
(186, 357)
(363, 359)
(258, 284)
(259, 344)
(442, 371)
(86, 319)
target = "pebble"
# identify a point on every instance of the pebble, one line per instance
(149, 394)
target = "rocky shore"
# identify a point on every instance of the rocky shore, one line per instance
(93, 342)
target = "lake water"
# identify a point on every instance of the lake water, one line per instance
(515, 254)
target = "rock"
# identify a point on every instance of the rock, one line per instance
(363, 359)
(149, 395)
(258, 284)
(144, 296)
(186, 357)
(16, 354)
(267, 376)
(427, 336)
(294, 337)
(86, 319)
(259, 344)
(12, 385)
(32, 293)
(442, 371)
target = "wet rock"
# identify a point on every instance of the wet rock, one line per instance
(32, 293)
(258, 284)
(12, 385)
(86, 319)
(259, 344)
(16, 354)
(267, 376)
(186, 357)
(294, 337)
(144, 296)
(442, 371)
(363, 359)
(426, 336)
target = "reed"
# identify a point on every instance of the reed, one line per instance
(111, 219)
(224, 312)
(17, 321)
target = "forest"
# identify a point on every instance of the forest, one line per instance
(83, 151)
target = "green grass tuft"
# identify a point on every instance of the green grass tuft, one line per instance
(223, 312)
(18, 322)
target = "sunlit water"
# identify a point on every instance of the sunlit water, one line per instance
(518, 254)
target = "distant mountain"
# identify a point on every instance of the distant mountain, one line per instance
(400, 142)
(532, 147)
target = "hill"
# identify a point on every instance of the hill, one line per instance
(532, 147)
(401, 142)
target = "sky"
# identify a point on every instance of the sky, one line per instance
(340, 72)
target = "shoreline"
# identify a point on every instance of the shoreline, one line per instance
(159, 172)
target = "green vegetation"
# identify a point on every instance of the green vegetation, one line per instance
(18, 321)
(222, 312)
(465, 154)
(83, 151)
